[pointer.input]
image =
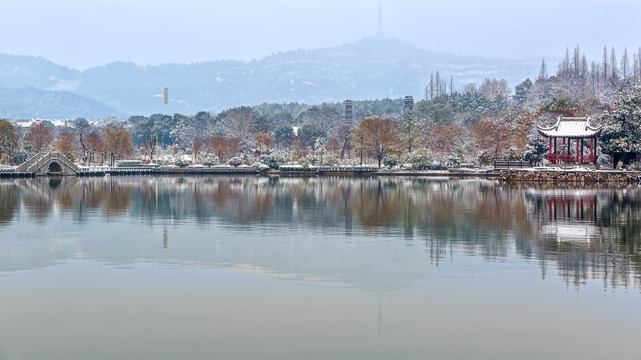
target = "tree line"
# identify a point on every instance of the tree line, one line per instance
(477, 124)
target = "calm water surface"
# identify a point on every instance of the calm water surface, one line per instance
(317, 268)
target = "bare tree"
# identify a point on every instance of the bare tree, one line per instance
(117, 143)
(378, 137)
(40, 136)
(81, 128)
(604, 63)
(613, 63)
(576, 62)
(95, 145)
(625, 63)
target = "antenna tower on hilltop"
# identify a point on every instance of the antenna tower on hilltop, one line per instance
(379, 33)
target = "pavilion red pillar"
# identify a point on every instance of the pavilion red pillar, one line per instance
(577, 161)
(582, 150)
(581, 208)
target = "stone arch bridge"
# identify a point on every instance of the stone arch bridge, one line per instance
(51, 163)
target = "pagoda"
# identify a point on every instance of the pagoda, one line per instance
(560, 137)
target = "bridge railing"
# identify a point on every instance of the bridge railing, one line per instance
(22, 167)
(37, 161)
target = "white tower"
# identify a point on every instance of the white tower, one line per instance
(166, 98)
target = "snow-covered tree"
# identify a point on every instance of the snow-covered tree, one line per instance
(521, 91)
(535, 150)
(622, 123)
(410, 130)
(235, 161)
(8, 139)
(420, 159)
(275, 159)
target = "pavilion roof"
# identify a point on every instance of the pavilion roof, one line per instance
(571, 127)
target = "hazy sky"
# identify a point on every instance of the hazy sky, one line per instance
(84, 33)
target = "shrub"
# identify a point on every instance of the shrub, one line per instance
(274, 160)
(309, 160)
(182, 162)
(390, 161)
(235, 161)
(604, 160)
(331, 160)
(420, 159)
(246, 158)
(261, 167)
(454, 161)
(211, 161)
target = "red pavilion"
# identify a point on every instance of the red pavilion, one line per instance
(561, 146)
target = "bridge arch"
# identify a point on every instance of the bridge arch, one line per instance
(53, 163)
(55, 168)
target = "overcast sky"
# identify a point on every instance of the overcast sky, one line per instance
(85, 33)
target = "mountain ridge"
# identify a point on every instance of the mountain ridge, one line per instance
(370, 68)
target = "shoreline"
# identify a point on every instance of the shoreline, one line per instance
(504, 176)
(246, 170)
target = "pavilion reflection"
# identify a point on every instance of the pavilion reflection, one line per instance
(571, 216)
(585, 233)
(576, 233)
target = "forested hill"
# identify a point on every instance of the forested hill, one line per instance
(25, 103)
(372, 68)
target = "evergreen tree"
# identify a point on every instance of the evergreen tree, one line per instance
(283, 136)
(622, 124)
(543, 73)
(521, 91)
(410, 130)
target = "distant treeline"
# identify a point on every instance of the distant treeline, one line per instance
(477, 124)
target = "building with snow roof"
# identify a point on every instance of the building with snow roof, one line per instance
(560, 137)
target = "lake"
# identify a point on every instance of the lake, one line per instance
(252, 267)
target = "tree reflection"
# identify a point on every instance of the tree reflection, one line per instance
(584, 232)
(118, 196)
(8, 202)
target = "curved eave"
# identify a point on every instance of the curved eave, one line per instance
(555, 134)
(551, 128)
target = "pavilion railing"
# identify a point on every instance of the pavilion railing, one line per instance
(571, 159)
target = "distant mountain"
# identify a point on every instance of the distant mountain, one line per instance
(371, 68)
(27, 103)
(28, 71)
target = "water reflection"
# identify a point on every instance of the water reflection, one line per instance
(589, 233)
(376, 233)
